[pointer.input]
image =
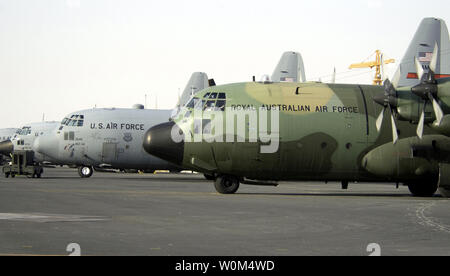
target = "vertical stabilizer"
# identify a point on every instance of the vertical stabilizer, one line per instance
(198, 82)
(431, 31)
(290, 68)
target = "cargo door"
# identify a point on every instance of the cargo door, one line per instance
(109, 152)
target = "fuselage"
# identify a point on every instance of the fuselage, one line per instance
(104, 138)
(324, 131)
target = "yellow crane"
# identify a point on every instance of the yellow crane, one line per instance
(378, 80)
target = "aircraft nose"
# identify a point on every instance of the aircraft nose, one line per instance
(47, 145)
(6, 147)
(165, 141)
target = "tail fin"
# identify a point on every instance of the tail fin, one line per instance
(431, 31)
(290, 68)
(197, 82)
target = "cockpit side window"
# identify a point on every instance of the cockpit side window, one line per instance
(192, 103)
(220, 105)
(75, 120)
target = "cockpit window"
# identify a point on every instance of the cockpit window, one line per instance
(209, 106)
(192, 103)
(199, 104)
(75, 120)
(212, 101)
(25, 131)
(220, 105)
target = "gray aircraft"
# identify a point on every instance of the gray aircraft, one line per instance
(108, 138)
(24, 138)
(6, 134)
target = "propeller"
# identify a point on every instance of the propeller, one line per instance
(427, 89)
(388, 101)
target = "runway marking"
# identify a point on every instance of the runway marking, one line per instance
(429, 221)
(38, 217)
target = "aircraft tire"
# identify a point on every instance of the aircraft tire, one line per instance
(420, 189)
(226, 184)
(209, 176)
(85, 171)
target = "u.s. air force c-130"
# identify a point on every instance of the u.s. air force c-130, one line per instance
(110, 138)
(260, 133)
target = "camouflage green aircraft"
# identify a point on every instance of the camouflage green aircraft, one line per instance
(259, 133)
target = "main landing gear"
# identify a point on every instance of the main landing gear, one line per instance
(423, 188)
(226, 184)
(85, 171)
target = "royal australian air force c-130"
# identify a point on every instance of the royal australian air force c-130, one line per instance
(262, 132)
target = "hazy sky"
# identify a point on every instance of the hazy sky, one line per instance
(59, 56)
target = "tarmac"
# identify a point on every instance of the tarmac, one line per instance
(182, 215)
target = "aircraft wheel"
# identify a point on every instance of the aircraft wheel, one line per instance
(13, 175)
(422, 188)
(209, 176)
(6, 175)
(226, 184)
(85, 171)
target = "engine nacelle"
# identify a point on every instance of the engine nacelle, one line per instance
(409, 158)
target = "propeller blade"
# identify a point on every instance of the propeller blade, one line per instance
(421, 122)
(419, 68)
(379, 121)
(437, 111)
(394, 127)
(434, 58)
(387, 86)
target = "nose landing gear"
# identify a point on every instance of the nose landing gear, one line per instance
(85, 171)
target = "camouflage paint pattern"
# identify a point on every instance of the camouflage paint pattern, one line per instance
(327, 132)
